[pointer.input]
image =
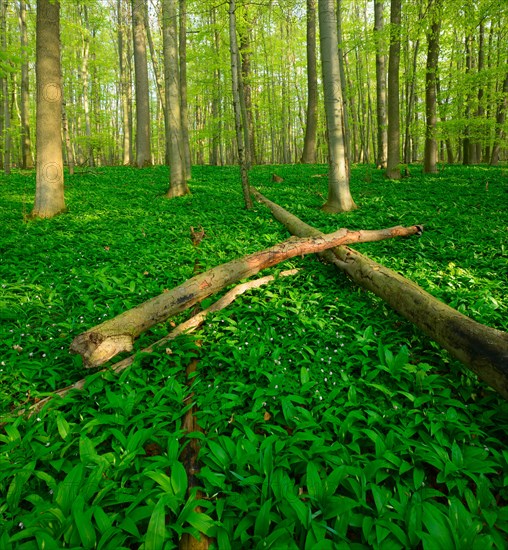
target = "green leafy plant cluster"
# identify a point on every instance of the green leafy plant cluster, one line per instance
(329, 421)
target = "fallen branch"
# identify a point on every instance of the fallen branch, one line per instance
(101, 343)
(482, 349)
(186, 327)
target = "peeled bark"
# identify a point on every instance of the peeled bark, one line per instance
(101, 343)
(482, 349)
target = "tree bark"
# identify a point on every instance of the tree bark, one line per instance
(393, 160)
(382, 134)
(178, 180)
(235, 82)
(125, 87)
(116, 335)
(184, 111)
(482, 349)
(143, 147)
(500, 118)
(339, 194)
(27, 162)
(309, 144)
(430, 154)
(49, 192)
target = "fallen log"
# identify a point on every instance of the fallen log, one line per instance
(186, 327)
(482, 349)
(101, 343)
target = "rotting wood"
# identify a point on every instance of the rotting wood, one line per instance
(186, 327)
(101, 343)
(482, 349)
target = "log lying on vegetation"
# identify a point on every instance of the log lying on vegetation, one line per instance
(101, 343)
(186, 327)
(482, 349)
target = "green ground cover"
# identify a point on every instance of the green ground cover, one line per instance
(330, 421)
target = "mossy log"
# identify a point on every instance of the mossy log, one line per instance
(482, 349)
(101, 343)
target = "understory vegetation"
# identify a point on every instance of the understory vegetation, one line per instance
(328, 420)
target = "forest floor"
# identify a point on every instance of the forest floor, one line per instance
(329, 421)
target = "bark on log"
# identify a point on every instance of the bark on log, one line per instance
(101, 343)
(188, 326)
(482, 349)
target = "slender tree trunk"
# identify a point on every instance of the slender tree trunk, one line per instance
(466, 142)
(26, 144)
(216, 141)
(184, 111)
(393, 159)
(143, 146)
(382, 133)
(49, 193)
(246, 103)
(431, 151)
(411, 100)
(5, 131)
(500, 120)
(347, 107)
(67, 139)
(480, 111)
(339, 194)
(235, 78)
(178, 180)
(125, 88)
(309, 145)
(85, 79)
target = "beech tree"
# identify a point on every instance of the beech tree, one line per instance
(178, 180)
(393, 160)
(49, 193)
(143, 132)
(430, 160)
(339, 194)
(309, 144)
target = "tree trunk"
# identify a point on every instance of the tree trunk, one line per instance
(309, 144)
(339, 194)
(235, 80)
(27, 162)
(49, 192)
(393, 160)
(382, 134)
(67, 140)
(104, 341)
(178, 180)
(85, 79)
(482, 349)
(184, 114)
(430, 155)
(143, 147)
(125, 88)
(500, 118)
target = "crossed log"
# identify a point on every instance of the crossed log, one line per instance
(482, 349)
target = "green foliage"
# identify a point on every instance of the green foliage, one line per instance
(329, 421)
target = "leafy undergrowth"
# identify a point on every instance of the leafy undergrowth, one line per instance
(330, 421)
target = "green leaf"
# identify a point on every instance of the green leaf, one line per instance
(314, 483)
(156, 533)
(262, 523)
(202, 522)
(304, 375)
(18, 484)
(82, 520)
(62, 425)
(438, 528)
